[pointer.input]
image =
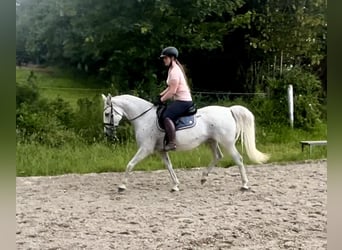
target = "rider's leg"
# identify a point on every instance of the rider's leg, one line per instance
(170, 115)
(170, 133)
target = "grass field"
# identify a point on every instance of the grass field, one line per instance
(282, 143)
(53, 83)
(33, 159)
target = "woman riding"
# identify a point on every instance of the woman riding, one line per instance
(178, 91)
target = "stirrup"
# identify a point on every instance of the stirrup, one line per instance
(170, 146)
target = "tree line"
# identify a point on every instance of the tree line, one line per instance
(225, 45)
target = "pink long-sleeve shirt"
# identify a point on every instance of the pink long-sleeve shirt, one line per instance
(182, 90)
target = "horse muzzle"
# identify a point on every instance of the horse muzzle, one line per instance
(109, 130)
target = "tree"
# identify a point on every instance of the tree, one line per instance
(121, 40)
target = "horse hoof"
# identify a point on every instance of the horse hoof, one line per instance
(174, 189)
(244, 188)
(121, 188)
(203, 181)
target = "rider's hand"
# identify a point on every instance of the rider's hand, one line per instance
(158, 101)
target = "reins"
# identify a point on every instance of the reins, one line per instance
(139, 115)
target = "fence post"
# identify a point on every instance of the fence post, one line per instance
(290, 101)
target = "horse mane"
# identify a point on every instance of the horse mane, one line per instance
(132, 97)
(126, 100)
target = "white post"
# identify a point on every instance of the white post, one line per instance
(290, 99)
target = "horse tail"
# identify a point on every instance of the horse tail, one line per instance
(246, 128)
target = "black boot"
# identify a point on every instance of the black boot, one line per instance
(170, 133)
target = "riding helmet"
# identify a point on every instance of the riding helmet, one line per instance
(169, 51)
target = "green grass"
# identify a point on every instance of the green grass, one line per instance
(70, 95)
(35, 159)
(54, 83)
(283, 143)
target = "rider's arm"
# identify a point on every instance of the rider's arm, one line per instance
(171, 90)
(164, 91)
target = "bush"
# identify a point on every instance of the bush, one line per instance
(54, 122)
(88, 121)
(307, 106)
(36, 124)
(62, 111)
(26, 93)
(40, 120)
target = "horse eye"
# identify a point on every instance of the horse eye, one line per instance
(106, 114)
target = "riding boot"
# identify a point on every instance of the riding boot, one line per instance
(170, 133)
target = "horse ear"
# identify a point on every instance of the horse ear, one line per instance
(109, 99)
(104, 97)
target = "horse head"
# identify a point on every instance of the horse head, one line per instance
(111, 116)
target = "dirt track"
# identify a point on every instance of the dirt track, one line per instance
(285, 209)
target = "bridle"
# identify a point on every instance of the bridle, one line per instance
(111, 121)
(111, 124)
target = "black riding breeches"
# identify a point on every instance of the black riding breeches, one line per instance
(176, 109)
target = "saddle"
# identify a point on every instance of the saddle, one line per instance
(186, 120)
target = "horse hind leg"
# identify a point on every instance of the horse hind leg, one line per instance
(239, 161)
(217, 155)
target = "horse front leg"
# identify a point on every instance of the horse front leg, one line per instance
(139, 156)
(168, 164)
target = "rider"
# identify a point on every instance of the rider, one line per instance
(177, 90)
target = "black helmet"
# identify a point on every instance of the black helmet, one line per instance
(169, 51)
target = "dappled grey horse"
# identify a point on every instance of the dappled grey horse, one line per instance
(214, 125)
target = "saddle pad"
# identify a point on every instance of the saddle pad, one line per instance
(183, 122)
